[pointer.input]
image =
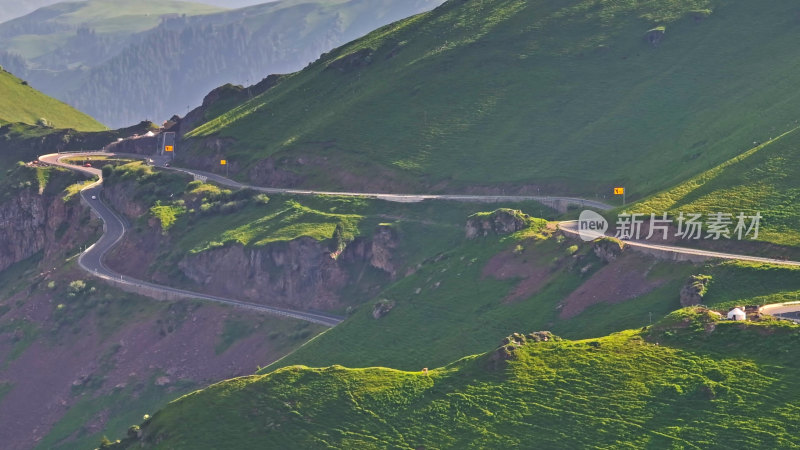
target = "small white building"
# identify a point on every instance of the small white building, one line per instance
(737, 314)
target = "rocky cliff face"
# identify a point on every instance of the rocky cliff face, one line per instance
(378, 250)
(300, 274)
(500, 222)
(33, 222)
(694, 290)
(118, 197)
(608, 249)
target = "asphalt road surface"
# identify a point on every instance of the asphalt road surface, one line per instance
(571, 227)
(398, 198)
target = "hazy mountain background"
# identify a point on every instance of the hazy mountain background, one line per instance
(122, 62)
(235, 3)
(11, 9)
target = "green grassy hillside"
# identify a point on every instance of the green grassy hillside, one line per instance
(24, 104)
(763, 180)
(688, 381)
(569, 96)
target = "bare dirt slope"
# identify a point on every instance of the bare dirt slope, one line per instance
(59, 352)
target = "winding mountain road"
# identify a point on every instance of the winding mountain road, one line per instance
(114, 226)
(400, 198)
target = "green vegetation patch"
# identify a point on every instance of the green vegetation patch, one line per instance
(166, 214)
(293, 220)
(744, 283)
(48, 181)
(151, 185)
(73, 190)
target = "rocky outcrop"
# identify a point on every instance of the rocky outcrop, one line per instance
(33, 223)
(608, 249)
(23, 220)
(655, 36)
(379, 250)
(500, 222)
(694, 290)
(284, 273)
(509, 346)
(300, 274)
(118, 196)
(381, 308)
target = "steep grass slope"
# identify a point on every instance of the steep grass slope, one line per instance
(22, 103)
(763, 180)
(574, 96)
(689, 381)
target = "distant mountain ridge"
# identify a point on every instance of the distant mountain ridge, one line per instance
(122, 71)
(11, 9)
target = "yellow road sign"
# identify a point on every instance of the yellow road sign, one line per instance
(619, 191)
(167, 148)
(223, 162)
